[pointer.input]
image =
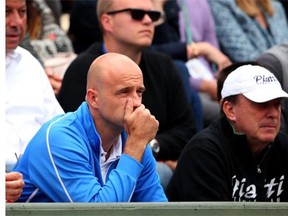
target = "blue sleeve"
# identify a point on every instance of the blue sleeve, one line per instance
(68, 171)
(148, 187)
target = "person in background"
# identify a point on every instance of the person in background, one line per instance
(187, 33)
(98, 153)
(47, 42)
(29, 99)
(164, 96)
(13, 185)
(246, 28)
(242, 156)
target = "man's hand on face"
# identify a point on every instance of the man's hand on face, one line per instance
(141, 128)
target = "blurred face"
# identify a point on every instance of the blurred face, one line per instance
(119, 84)
(125, 29)
(15, 23)
(259, 121)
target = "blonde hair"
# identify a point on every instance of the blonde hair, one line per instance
(103, 6)
(253, 7)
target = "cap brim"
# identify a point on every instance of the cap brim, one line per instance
(261, 96)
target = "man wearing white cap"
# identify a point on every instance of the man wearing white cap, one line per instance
(242, 156)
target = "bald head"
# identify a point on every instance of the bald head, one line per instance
(108, 67)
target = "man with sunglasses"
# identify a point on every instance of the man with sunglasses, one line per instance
(128, 28)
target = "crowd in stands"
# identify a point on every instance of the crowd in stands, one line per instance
(146, 101)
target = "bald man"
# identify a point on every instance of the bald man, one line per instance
(98, 153)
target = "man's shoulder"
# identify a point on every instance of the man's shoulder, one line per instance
(210, 137)
(93, 50)
(155, 56)
(157, 62)
(22, 59)
(88, 56)
(26, 55)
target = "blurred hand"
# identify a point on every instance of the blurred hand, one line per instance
(209, 87)
(141, 128)
(55, 80)
(14, 186)
(214, 55)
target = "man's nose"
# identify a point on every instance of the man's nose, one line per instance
(136, 100)
(147, 18)
(273, 109)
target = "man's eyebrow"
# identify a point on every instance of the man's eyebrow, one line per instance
(19, 8)
(128, 88)
(123, 89)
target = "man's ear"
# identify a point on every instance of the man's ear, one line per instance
(92, 98)
(228, 109)
(106, 22)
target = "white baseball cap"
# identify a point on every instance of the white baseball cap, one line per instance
(254, 82)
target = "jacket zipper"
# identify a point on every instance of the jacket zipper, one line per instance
(263, 158)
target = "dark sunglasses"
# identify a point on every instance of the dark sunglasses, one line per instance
(138, 14)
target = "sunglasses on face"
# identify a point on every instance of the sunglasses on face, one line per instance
(138, 14)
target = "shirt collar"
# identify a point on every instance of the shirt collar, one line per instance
(115, 152)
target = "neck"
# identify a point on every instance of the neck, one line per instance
(125, 49)
(108, 133)
(258, 147)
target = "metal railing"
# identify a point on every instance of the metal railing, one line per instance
(151, 209)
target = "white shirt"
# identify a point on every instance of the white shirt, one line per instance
(114, 155)
(29, 102)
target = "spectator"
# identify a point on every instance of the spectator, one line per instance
(246, 28)
(48, 42)
(81, 156)
(164, 96)
(242, 156)
(198, 47)
(14, 186)
(29, 100)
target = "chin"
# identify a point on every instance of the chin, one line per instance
(268, 137)
(12, 46)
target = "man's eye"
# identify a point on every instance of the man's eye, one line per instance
(140, 93)
(8, 12)
(22, 12)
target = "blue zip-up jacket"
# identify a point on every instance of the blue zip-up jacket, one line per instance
(62, 164)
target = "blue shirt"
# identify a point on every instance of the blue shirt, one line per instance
(62, 164)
